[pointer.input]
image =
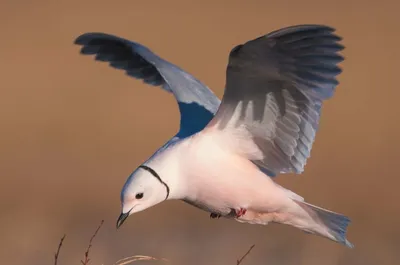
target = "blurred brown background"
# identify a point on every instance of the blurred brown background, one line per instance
(73, 129)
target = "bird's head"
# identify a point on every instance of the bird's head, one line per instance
(143, 189)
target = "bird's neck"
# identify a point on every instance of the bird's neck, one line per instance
(168, 163)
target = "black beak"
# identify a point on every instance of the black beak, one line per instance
(121, 219)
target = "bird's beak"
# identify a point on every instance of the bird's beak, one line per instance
(122, 217)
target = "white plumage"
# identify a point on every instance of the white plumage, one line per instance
(225, 154)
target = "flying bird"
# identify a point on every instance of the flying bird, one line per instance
(227, 152)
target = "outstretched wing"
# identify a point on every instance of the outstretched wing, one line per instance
(275, 86)
(197, 103)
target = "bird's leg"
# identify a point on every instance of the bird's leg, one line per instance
(240, 212)
(215, 215)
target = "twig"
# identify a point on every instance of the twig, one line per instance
(86, 261)
(245, 255)
(58, 250)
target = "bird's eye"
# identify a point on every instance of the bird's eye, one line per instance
(139, 196)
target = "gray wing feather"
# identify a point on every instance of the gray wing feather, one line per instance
(275, 86)
(197, 103)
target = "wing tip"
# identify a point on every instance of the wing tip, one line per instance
(300, 28)
(86, 38)
(296, 33)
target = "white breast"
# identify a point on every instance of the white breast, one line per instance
(220, 180)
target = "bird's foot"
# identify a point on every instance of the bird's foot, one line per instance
(240, 212)
(215, 216)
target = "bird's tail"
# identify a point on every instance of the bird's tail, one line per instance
(324, 223)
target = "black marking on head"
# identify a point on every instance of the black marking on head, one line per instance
(154, 173)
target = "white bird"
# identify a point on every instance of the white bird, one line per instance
(226, 153)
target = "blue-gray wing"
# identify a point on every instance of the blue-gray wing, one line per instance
(197, 103)
(275, 87)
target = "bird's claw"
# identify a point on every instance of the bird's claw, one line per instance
(240, 212)
(215, 216)
(236, 213)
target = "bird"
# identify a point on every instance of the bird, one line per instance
(227, 153)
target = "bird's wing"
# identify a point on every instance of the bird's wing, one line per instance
(275, 86)
(197, 103)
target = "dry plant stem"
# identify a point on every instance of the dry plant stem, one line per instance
(245, 255)
(86, 260)
(127, 260)
(58, 250)
(135, 258)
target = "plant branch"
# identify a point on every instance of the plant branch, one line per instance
(245, 255)
(86, 260)
(58, 250)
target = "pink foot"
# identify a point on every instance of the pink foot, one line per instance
(240, 212)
